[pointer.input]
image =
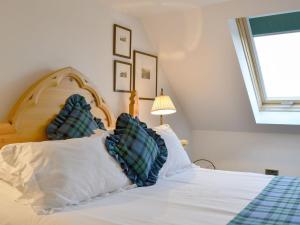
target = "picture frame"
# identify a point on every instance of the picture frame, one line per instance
(145, 75)
(122, 76)
(122, 38)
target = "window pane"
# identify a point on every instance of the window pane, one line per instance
(279, 59)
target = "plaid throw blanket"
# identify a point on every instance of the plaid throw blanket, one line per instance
(277, 204)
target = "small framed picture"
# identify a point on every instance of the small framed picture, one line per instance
(145, 75)
(122, 41)
(122, 76)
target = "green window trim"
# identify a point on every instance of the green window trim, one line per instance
(275, 24)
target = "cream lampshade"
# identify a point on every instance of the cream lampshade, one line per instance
(163, 105)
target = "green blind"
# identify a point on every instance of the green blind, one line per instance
(281, 23)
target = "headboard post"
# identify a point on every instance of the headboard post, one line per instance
(134, 104)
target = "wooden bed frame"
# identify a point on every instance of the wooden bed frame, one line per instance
(38, 106)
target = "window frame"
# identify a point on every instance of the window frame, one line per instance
(264, 103)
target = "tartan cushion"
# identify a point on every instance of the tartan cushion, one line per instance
(139, 150)
(79, 124)
(100, 124)
(74, 121)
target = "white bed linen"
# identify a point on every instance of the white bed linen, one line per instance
(54, 174)
(194, 196)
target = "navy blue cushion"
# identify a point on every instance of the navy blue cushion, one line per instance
(139, 150)
(74, 121)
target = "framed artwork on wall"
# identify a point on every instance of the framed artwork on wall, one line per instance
(122, 41)
(122, 76)
(145, 75)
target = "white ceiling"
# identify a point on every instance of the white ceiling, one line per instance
(140, 8)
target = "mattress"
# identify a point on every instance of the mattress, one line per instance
(193, 196)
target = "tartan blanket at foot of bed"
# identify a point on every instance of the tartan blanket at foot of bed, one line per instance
(277, 204)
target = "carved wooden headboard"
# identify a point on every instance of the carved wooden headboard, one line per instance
(38, 106)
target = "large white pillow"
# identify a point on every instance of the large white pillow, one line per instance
(177, 156)
(55, 174)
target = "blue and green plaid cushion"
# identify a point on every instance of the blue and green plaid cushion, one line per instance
(139, 150)
(80, 123)
(74, 121)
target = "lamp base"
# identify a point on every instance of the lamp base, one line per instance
(161, 120)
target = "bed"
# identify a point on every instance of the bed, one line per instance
(190, 196)
(194, 196)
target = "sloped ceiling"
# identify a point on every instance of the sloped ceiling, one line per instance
(196, 52)
(141, 8)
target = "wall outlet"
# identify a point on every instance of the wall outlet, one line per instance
(272, 172)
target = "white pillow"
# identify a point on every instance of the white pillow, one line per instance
(177, 156)
(55, 174)
(8, 173)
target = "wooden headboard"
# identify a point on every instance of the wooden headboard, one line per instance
(38, 106)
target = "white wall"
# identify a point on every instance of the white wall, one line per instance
(40, 36)
(250, 152)
(198, 55)
(251, 147)
(199, 58)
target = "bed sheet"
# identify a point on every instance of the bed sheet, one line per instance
(194, 196)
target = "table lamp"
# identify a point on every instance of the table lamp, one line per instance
(163, 105)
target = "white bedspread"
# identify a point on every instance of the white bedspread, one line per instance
(194, 196)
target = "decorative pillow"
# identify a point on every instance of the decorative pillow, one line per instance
(100, 124)
(79, 124)
(54, 174)
(139, 150)
(74, 121)
(177, 156)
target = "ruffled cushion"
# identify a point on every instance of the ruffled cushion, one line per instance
(74, 121)
(139, 150)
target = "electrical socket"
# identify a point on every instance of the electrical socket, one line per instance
(272, 172)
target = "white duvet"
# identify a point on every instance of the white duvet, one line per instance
(194, 196)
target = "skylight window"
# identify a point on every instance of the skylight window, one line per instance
(279, 59)
(268, 48)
